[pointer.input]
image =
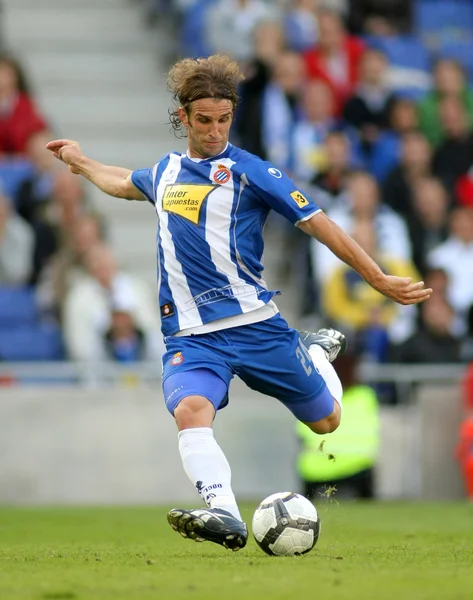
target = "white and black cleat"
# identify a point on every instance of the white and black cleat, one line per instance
(331, 340)
(209, 524)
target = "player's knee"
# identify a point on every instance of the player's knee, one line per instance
(329, 424)
(194, 411)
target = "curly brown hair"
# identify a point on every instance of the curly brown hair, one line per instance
(193, 79)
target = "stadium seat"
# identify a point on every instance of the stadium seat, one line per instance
(409, 63)
(443, 19)
(38, 342)
(193, 41)
(17, 307)
(12, 174)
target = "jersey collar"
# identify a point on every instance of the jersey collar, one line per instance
(210, 157)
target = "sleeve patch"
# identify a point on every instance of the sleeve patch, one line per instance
(299, 199)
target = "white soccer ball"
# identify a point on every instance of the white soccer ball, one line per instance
(286, 524)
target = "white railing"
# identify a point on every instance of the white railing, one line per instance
(112, 373)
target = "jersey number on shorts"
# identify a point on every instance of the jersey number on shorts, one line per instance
(304, 357)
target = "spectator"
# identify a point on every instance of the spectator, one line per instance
(91, 301)
(433, 342)
(67, 264)
(34, 198)
(368, 109)
(309, 133)
(330, 184)
(336, 57)
(449, 81)
(231, 24)
(350, 304)
(386, 150)
(269, 43)
(124, 341)
(16, 246)
(428, 224)
(36, 191)
(19, 117)
(281, 108)
(415, 165)
(380, 17)
(301, 25)
(363, 204)
(455, 257)
(454, 155)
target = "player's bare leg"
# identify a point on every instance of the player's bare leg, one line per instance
(209, 471)
(324, 347)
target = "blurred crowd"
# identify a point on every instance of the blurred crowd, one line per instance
(368, 105)
(62, 294)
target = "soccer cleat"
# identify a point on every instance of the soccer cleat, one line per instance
(331, 340)
(209, 524)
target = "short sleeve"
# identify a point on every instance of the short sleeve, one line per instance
(280, 193)
(143, 181)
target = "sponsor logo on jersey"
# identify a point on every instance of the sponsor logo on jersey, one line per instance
(275, 172)
(299, 199)
(222, 175)
(177, 359)
(186, 199)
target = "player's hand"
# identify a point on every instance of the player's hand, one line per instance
(403, 290)
(68, 151)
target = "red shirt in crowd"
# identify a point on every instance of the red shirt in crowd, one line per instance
(340, 72)
(17, 122)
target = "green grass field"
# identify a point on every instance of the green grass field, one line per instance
(365, 551)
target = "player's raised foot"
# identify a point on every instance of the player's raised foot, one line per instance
(331, 340)
(209, 524)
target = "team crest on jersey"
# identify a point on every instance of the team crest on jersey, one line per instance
(222, 175)
(299, 199)
(177, 359)
(186, 199)
(167, 310)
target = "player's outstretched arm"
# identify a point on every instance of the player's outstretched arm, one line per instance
(400, 289)
(114, 181)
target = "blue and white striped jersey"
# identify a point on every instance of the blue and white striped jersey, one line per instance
(210, 232)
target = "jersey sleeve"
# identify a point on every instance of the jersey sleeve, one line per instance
(143, 181)
(280, 193)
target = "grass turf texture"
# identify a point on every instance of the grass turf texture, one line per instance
(365, 551)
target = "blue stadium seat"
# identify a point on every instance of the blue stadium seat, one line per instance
(17, 307)
(403, 51)
(13, 172)
(193, 41)
(410, 63)
(39, 342)
(443, 18)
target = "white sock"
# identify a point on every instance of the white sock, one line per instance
(320, 360)
(207, 468)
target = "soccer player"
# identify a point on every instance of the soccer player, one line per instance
(218, 316)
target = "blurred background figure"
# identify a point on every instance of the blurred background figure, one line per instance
(110, 314)
(371, 321)
(342, 465)
(415, 163)
(231, 24)
(449, 81)
(363, 204)
(336, 57)
(19, 117)
(455, 257)
(16, 246)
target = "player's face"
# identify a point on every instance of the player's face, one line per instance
(208, 126)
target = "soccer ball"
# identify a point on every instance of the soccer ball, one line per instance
(286, 524)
